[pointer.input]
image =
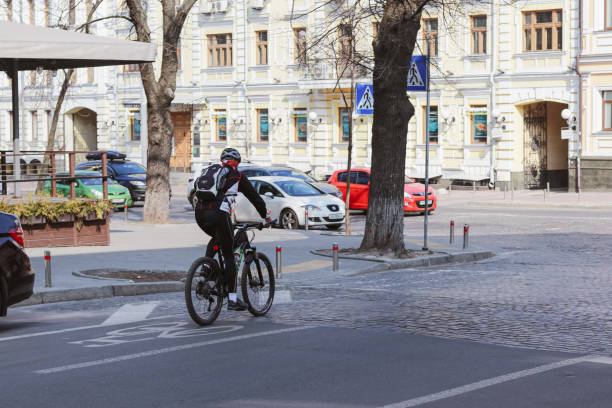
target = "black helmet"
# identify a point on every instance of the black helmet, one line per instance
(230, 154)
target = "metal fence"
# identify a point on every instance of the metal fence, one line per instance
(46, 170)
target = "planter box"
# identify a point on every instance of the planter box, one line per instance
(33, 220)
(63, 219)
(67, 233)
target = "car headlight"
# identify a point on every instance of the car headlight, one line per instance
(406, 195)
(137, 183)
(97, 194)
(338, 194)
(312, 208)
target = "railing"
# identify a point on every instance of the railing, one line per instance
(50, 171)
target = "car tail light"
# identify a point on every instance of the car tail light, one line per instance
(17, 234)
(190, 180)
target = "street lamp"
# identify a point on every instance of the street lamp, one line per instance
(314, 118)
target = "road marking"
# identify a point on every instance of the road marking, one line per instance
(47, 333)
(131, 312)
(600, 360)
(453, 392)
(165, 350)
(307, 266)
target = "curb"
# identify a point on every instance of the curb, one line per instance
(100, 292)
(415, 262)
(548, 206)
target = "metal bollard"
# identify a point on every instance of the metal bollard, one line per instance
(474, 186)
(466, 235)
(279, 261)
(452, 231)
(335, 255)
(125, 212)
(548, 186)
(544, 195)
(47, 268)
(450, 188)
(306, 218)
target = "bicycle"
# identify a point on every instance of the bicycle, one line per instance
(205, 286)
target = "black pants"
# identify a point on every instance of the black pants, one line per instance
(218, 225)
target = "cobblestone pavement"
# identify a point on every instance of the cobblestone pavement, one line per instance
(549, 288)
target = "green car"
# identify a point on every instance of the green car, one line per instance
(91, 188)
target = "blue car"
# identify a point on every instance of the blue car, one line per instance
(16, 274)
(129, 174)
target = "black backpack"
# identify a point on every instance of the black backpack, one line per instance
(213, 183)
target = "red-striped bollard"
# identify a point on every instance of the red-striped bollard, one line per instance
(452, 231)
(306, 218)
(125, 212)
(466, 235)
(47, 268)
(335, 255)
(279, 261)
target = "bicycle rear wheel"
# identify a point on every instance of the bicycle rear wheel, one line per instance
(257, 284)
(203, 291)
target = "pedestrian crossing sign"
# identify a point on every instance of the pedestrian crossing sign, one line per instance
(417, 74)
(364, 97)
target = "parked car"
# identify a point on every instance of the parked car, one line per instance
(129, 174)
(287, 198)
(91, 188)
(251, 170)
(16, 274)
(414, 193)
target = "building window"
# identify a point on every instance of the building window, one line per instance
(32, 10)
(345, 35)
(542, 30)
(34, 122)
(47, 19)
(479, 34)
(220, 50)
(134, 123)
(262, 47)
(300, 125)
(343, 120)
(178, 55)
(262, 128)
(9, 10)
(221, 124)
(131, 68)
(71, 12)
(431, 125)
(90, 75)
(607, 110)
(430, 26)
(479, 124)
(299, 35)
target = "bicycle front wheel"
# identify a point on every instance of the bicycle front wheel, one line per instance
(203, 291)
(257, 284)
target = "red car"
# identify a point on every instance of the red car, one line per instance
(414, 193)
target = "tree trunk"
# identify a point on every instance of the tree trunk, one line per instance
(393, 49)
(51, 136)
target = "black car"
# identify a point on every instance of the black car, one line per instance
(286, 171)
(127, 173)
(16, 275)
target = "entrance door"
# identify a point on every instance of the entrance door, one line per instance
(182, 141)
(534, 120)
(85, 132)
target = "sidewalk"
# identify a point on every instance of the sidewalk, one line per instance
(173, 247)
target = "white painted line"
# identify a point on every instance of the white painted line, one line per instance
(282, 297)
(600, 360)
(47, 333)
(167, 350)
(131, 312)
(453, 392)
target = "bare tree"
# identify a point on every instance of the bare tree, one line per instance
(399, 22)
(159, 93)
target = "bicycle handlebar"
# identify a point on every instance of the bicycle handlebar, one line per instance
(253, 225)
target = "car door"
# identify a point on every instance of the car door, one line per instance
(360, 189)
(244, 210)
(62, 188)
(341, 183)
(276, 203)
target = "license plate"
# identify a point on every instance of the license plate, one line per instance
(335, 216)
(117, 201)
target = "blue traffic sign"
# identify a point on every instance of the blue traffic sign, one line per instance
(417, 74)
(364, 99)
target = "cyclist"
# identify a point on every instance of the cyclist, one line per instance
(213, 217)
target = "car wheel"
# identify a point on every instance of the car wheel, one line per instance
(289, 220)
(194, 201)
(3, 296)
(334, 227)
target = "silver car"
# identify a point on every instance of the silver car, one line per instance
(288, 199)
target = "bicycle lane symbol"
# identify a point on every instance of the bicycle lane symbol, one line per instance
(166, 330)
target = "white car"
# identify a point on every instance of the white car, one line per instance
(288, 199)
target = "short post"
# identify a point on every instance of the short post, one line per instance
(47, 268)
(450, 188)
(306, 218)
(548, 186)
(474, 186)
(125, 212)
(544, 195)
(466, 235)
(335, 255)
(452, 231)
(279, 261)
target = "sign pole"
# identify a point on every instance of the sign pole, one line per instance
(425, 248)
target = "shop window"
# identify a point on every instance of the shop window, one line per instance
(607, 110)
(431, 125)
(479, 124)
(134, 124)
(262, 125)
(221, 125)
(343, 121)
(300, 125)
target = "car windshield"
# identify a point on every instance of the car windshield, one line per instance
(293, 173)
(408, 180)
(298, 188)
(130, 168)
